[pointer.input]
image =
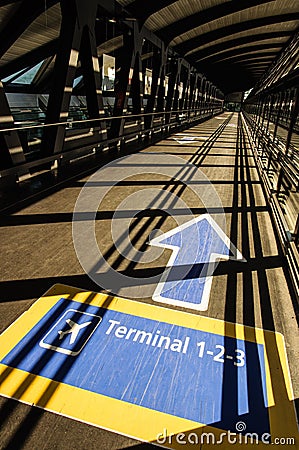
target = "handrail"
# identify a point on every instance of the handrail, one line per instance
(106, 118)
(66, 155)
(276, 144)
(286, 237)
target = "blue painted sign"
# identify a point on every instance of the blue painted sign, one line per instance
(185, 372)
(196, 246)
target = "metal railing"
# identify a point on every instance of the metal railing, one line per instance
(89, 136)
(280, 175)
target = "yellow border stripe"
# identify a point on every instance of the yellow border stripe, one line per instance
(125, 418)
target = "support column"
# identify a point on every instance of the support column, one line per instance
(258, 118)
(11, 150)
(203, 96)
(161, 100)
(173, 93)
(93, 81)
(186, 92)
(125, 68)
(157, 79)
(209, 96)
(64, 72)
(198, 103)
(193, 94)
(272, 100)
(281, 96)
(137, 90)
(77, 33)
(294, 114)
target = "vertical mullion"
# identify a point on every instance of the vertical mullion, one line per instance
(294, 115)
(64, 72)
(11, 149)
(92, 81)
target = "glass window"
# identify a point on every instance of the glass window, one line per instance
(12, 77)
(77, 81)
(28, 76)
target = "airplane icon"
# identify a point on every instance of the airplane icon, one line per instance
(70, 323)
(74, 330)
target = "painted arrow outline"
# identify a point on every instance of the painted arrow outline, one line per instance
(210, 264)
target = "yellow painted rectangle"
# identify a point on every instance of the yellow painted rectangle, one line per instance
(130, 419)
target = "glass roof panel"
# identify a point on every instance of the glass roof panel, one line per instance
(28, 76)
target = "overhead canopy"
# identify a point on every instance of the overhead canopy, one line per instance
(232, 41)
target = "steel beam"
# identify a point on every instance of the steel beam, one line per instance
(222, 56)
(232, 44)
(29, 59)
(205, 16)
(77, 34)
(173, 93)
(158, 77)
(11, 149)
(230, 30)
(24, 15)
(142, 10)
(126, 66)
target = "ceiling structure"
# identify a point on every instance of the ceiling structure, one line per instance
(229, 40)
(233, 42)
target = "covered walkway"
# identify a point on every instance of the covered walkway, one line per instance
(149, 224)
(38, 251)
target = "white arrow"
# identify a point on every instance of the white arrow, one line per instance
(196, 246)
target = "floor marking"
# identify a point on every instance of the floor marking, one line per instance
(196, 246)
(185, 139)
(147, 372)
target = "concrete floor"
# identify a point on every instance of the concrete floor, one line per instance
(38, 251)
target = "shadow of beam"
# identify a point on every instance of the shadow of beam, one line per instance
(12, 290)
(48, 218)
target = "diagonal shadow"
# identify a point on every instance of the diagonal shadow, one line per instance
(30, 421)
(171, 187)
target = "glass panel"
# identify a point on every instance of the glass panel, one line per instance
(11, 77)
(166, 85)
(27, 77)
(77, 81)
(108, 73)
(148, 81)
